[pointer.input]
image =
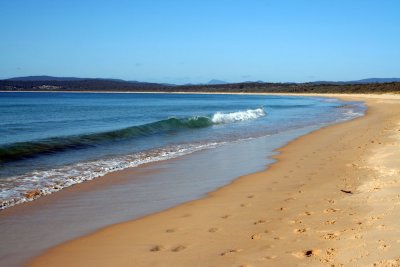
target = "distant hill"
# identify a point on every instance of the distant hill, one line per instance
(52, 78)
(44, 78)
(363, 81)
(259, 81)
(211, 82)
(214, 81)
(49, 83)
(378, 80)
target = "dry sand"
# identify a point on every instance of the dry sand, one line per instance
(332, 199)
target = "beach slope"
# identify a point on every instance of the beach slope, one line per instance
(331, 199)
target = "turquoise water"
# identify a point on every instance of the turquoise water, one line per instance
(49, 141)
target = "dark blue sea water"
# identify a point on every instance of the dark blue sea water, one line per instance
(49, 141)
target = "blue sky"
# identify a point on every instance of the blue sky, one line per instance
(196, 41)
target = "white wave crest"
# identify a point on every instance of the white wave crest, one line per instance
(249, 114)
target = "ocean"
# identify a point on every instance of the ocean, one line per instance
(50, 141)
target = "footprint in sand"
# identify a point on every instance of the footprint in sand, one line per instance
(256, 236)
(289, 199)
(271, 257)
(394, 262)
(331, 236)
(259, 222)
(213, 230)
(330, 222)
(330, 251)
(308, 213)
(178, 248)
(331, 210)
(157, 248)
(231, 251)
(250, 196)
(245, 205)
(328, 256)
(170, 230)
(357, 237)
(226, 216)
(375, 218)
(297, 221)
(383, 245)
(300, 231)
(306, 253)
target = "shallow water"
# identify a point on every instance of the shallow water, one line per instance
(49, 141)
(132, 194)
(224, 152)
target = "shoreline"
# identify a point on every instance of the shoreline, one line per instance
(39, 193)
(368, 95)
(71, 214)
(152, 252)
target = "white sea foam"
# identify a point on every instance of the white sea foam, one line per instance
(351, 114)
(14, 190)
(249, 114)
(330, 100)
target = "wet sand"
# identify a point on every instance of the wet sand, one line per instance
(128, 194)
(331, 199)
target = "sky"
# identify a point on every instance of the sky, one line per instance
(190, 41)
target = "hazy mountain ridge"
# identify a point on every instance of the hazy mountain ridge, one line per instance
(215, 81)
(34, 83)
(211, 82)
(50, 83)
(44, 78)
(362, 81)
(63, 79)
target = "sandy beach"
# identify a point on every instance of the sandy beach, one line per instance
(331, 199)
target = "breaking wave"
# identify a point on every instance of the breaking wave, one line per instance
(249, 114)
(21, 150)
